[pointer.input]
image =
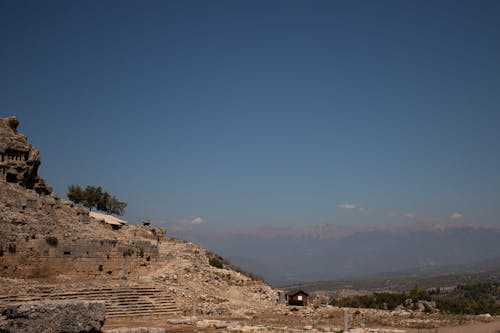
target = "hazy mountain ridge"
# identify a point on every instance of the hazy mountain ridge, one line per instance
(294, 256)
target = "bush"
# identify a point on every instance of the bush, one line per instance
(464, 299)
(383, 301)
(216, 262)
(13, 123)
(128, 252)
(417, 294)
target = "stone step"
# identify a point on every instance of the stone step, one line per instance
(93, 293)
(142, 314)
(120, 302)
(138, 309)
(110, 292)
(162, 298)
(148, 305)
(145, 301)
(110, 297)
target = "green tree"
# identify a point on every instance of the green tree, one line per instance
(110, 204)
(95, 197)
(76, 194)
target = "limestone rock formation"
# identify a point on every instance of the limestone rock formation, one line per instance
(418, 306)
(55, 316)
(19, 160)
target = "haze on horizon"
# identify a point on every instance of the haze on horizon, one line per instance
(232, 113)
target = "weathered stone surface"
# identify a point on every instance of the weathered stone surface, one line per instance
(137, 330)
(55, 316)
(19, 160)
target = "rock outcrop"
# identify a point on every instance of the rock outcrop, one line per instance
(418, 306)
(19, 160)
(56, 316)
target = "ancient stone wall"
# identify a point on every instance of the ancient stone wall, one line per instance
(49, 257)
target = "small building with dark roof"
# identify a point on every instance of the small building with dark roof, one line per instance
(297, 297)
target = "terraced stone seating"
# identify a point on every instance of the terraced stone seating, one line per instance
(120, 302)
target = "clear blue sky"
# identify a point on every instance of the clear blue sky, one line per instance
(263, 112)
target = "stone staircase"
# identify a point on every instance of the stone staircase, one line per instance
(120, 302)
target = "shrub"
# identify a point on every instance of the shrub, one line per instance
(417, 294)
(216, 262)
(13, 123)
(12, 248)
(128, 252)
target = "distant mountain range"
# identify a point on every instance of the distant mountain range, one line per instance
(327, 252)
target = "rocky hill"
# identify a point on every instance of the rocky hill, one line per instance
(52, 249)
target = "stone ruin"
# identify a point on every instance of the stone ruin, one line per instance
(43, 236)
(19, 160)
(53, 250)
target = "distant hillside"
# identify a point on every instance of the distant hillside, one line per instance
(330, 252)
(443, 276)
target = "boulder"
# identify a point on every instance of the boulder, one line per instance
(53, 316)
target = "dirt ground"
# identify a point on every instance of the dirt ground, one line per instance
(287, 319)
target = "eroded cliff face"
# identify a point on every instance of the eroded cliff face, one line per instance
(19, 160)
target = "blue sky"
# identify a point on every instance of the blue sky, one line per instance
(242, 113)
